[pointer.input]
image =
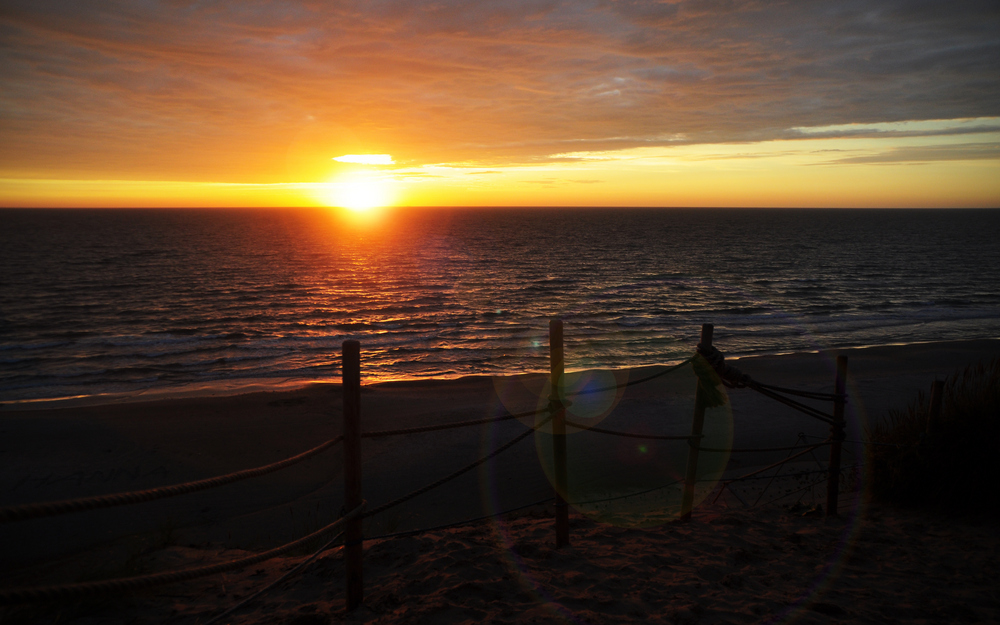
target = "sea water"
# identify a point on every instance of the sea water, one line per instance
(96, 302)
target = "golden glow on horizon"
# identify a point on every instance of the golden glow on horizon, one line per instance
(891, 171)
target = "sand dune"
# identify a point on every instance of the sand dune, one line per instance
(771, 564)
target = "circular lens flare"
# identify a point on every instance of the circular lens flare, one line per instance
(635, 482)
(625, 503)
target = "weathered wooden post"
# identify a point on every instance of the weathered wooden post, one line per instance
(556, 371)
(697, 425)
(836, 437)
(934, 416)
(353, 536)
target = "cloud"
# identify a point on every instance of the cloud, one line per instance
(928, 154)
(924, 128)
(268, 91)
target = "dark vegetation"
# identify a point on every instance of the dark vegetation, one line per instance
(951, 462)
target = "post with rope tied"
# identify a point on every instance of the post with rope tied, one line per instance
(353, 536)
(556, 371)
(836, 437)
(697, 425)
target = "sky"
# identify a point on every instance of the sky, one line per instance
(514, 103)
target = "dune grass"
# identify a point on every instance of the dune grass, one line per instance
(950, 463)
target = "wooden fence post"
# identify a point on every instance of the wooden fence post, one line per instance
(697, 425)
(353, 535)
(556, 371)
(836, 437)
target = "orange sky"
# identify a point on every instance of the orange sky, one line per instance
(535, 102)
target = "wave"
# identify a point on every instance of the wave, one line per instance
(473, 293)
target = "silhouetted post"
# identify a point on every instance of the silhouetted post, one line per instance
(836, 437)
(934, 416)
(697, 425)
(556, 370)
(353, 537)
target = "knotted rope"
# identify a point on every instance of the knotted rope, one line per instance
(727, 372)
(712, 368)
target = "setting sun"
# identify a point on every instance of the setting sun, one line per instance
(358, 192)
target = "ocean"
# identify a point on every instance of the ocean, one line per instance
(131, 302)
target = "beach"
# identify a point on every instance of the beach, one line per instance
(651, 297)
(730, 564)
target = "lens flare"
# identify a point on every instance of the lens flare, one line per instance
(634, 482)
(639, 482)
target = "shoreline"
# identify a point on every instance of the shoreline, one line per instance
(242, 386)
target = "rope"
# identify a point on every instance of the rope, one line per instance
(779, 465)
(616, 497)
(870, 442)
(657, 437)
(460, 424)
(738, 379)
(726, 372)
(36, 510)
(327, 545)
(465, 469)
(458, 523)
(759, 449)
(446, 426)
(809, 410)
(787, 475)
(799, 490)
(810, 485)
(265, 589)
(776, 464)
(806, 394)
(34, 594)
(630, 382)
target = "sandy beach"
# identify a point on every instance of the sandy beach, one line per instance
(625, 563)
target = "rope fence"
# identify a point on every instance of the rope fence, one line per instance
(92, 589)
(447, 426)
(711, 371)
(420, 491)
(750, 450)
(37, 510)
(800, 393)
(618, 387)
(655, 437)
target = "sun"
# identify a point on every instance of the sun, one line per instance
(359, 192)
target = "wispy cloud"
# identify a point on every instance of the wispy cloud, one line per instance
(258, 91)
(922, 128)
(928, 154)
